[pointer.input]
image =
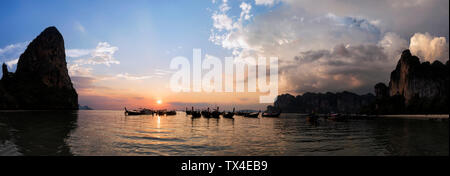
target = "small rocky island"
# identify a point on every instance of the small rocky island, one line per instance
(41, 81)
(414, 88)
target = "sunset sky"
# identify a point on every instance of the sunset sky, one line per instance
(118, 52)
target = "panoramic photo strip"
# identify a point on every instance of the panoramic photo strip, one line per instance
(200, 81)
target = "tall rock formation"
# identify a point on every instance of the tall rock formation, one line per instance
(41, 80)
(412, 78)
(414, 88)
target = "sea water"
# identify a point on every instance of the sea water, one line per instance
(98, 132)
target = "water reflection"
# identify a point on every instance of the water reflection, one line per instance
(36, 132)
(112, 133)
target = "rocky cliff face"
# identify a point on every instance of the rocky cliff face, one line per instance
(41, 80)
(344, 102)
(423, 80)
(381, 91)
(414, 88)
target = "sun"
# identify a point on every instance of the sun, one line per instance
(159, 101)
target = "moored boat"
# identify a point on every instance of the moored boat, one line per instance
(271, 114)
(216, 113)
(196, 114)
(206, 113)
(189, 112)
(252, 115)
(171, 113)
(133, 112)
(146, 111)
(161, 112)
(229, 115)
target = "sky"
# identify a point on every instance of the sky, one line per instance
(119, 52)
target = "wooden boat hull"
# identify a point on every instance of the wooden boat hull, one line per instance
(271, 115)
(215, 114)
(133, 113)
(229, 115)
(196, 114)
(252, 115)
(171, 113)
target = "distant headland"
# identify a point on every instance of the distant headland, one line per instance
(414, 88)
(41, 81)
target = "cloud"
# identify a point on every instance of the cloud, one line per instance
(408, 3)
(222, 21)
(224, 6)
(80, 27)
(265, 2)
(75, 53)
(134, 77)
(287, 31)
(346, 45)
(16, 48)
(10, 54)
(11, 63)
(158, 73)
(83, 59)
(102, 54)
(245, 14)
(83, 82)
(344, 67)
(403, 17)
(226, 27)
(161, 72)
(429, 48)
(79, 70)
(393, 45)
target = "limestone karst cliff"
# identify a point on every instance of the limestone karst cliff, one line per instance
(344, 102)
(412, 78)
(41, 80)
(414, 88)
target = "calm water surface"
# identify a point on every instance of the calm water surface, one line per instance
(112, 133)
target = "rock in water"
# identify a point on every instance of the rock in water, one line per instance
(41, 80)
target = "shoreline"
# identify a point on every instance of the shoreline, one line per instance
(437, 117)
(399, 116)
(417, 116)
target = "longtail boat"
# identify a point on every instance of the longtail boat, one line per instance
(206, 113)
(216, 113)
(196, 114)
(271, 114)
(133, 112)
(189, 112)
(252, 115)
(171, 113)
(229, 115)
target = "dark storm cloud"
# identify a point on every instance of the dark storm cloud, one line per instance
(355, 68)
